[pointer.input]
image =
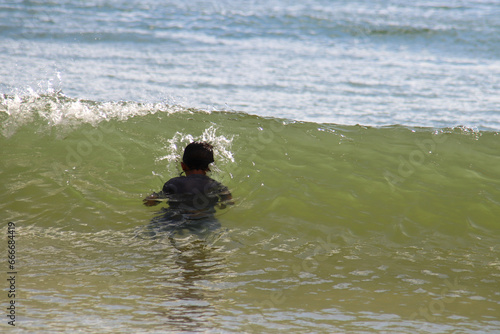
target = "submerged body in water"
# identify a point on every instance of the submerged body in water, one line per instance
(191, 198)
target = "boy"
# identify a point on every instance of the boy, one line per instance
(191, 198)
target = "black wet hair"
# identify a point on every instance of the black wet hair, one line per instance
(198, 155)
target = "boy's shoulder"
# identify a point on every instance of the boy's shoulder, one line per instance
(192, 180)
(189, 178)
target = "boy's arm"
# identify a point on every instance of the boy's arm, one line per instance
(156, 198)
(225, 198)
(151, 200)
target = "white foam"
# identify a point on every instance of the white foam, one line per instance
(175, 146)
(56, 109)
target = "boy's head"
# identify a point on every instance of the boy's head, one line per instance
(198, 155)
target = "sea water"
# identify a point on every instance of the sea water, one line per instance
(360, 141)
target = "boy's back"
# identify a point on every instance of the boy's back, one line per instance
(194, 193)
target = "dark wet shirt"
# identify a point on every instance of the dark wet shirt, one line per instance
(194, 195)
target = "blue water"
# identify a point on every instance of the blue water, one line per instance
(419, 63)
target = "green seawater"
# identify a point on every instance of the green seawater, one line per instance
(335, 228)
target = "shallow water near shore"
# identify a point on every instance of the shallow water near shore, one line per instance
(335, 228)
